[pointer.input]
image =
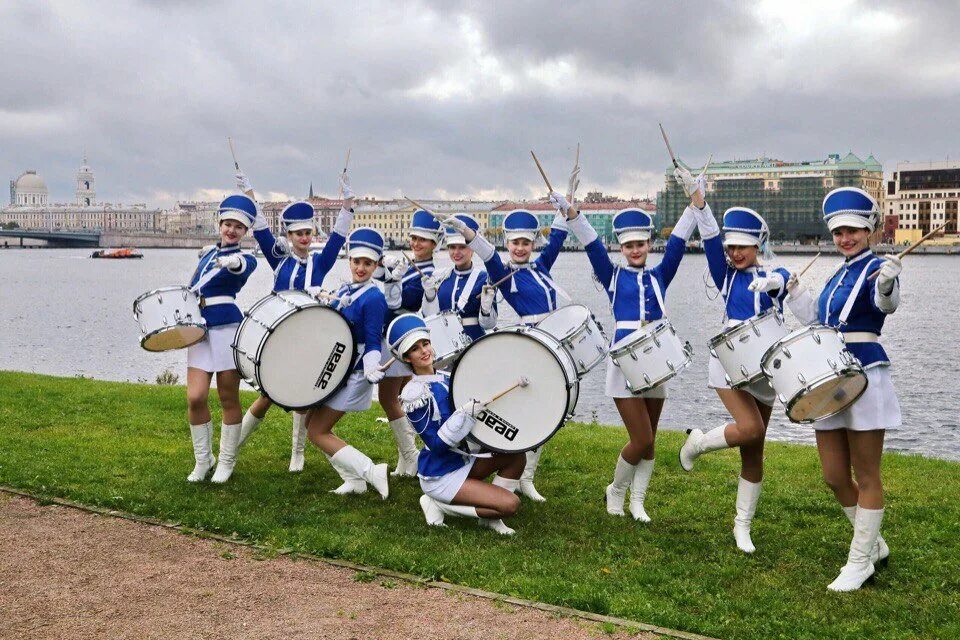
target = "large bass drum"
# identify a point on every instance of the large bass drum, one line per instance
(528, 416)
(293, 349)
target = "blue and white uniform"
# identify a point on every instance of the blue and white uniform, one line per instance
(218, 288)
(742, 227)
(531, 291)
(636, 293)
(852, 303)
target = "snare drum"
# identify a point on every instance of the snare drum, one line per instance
(579, 333)
(741, 347)
(814, 375)
(528, 416)
(447, 337)
(293, 349)
(169, 318)
(650, 356)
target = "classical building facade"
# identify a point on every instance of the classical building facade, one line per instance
(922, 196)
(789, 195)
(599, 215)
(29, 190)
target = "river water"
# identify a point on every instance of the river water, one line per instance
(65, 314)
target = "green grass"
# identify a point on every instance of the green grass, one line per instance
(127, 447)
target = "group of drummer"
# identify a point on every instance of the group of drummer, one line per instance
(386, 299)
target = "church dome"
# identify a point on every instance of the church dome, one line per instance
(30, 181)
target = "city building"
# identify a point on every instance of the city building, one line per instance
(923, 196)
(789, 195)
(599, 215)
(392, 217)
(29, 189)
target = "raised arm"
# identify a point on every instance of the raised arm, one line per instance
(676, 246)
(596, 252)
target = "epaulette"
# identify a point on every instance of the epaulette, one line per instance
(416, 394)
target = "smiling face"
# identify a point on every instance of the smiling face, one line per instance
(461, 255)
(422, 248)
(520, 250)
(851, 240)
(362, 268)
(300, 240)
(635, 252)
(232, 232)
(420, 357)
(742, 256)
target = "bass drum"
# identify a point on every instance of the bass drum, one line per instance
(293, 349)
(526, 417)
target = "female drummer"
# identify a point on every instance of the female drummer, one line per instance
(748, 289)
(222, 272)
(296, 269)
(636, 295)
(463, 290)
(528, 287)
(452, 480)
(856, 300)
(403, 287)
(364, 306)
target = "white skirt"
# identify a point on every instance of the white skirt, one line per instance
(761, 389)
(616, 386)
(398, 369)
(215, 352)
(356, 395)
(444, 488)
(877, 408)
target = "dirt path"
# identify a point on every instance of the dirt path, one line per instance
(66, 573)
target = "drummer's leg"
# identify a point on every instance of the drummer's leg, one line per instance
(505, 465)
(654, 409)
(351, 463)
(636, 418)
(228, 389)
(750, 482)
(198, 414)
(403, 434)
(388, 393)
(835, 460)
(490, 501)
(253, 417)
(320, 423)
(747, 426)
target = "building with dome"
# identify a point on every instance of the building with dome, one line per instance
(29, 189)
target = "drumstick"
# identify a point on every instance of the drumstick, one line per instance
(386, 365)
(232, 153)
(522, 381)
(576, 163)
(420, 206)
(412, 263)
(326, 296)
(542, 173)
(809, 264)
(910, 249)
(497, 283)
(673, 158)
(346, 163)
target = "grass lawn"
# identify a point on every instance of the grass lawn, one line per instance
(127, 447)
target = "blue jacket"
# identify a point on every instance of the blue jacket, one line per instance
(452, 291)
(223, 283)
(410, 289)
(289, 271)
(365, 314)
(427, 403)
(739, 302)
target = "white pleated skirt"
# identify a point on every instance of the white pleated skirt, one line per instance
(215, 352)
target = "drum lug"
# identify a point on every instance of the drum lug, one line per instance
(184, 292)
(646, 378)
(688, 349)
(753, 325)
(633, 355)
(786, 352)
(833, 364)
(743, 371)
(816, 338)
(176, 316)
(713, 352)
(656, 340)
(670, 366)
(781, 398)
(727, 378)
(165, 323)
(160, 298)
(729, 345)
(802, 379)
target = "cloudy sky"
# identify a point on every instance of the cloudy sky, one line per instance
(445, 99)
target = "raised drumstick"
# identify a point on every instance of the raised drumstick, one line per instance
(497, 283)
(542, 172)
(910, 249)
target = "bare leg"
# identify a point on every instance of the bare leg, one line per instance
(228, 388)
(866, 451)
(748, 424)
(388, 393)
(198, 392)
(834, 450)
(260, 407)
(636, 419)
(490, 501)
(320, 425)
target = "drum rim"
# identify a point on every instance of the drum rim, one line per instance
(729, 332)
(792, 336)
(146, 336)
(643, 337)
(576, 331)
(568, 411)
(810, 386)
(263, 341)
(173, 287)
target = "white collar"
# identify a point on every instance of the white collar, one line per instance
(857, 258)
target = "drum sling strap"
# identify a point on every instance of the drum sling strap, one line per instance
(464, 299)
(208, 276)
(852, 298)
(654, 283)
(545, 281)
(728, 287)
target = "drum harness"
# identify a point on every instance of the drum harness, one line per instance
(436, 415)
(207, 276)
(658, 294)
(852, 336)
(545, 282)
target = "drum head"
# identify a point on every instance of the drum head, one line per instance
(827, 398)
(176, 337)
(525, 417)
(564, 321)
(306, 358)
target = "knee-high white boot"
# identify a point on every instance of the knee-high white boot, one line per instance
(748, 493)
(432, 511)
(229, 443)
(248, 425)
(350, 460)
(699, 443)
(616, 491)
(202, 435)
(638, 489)
(526, 479)
(510, 484)
(461, 510)
(859, 567)
(352, 483)
(298, 441)
(407, 452)
(880, 550)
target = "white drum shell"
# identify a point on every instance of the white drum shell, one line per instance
(741, 347)
(650, 356)
(528, 416)
(447, 337)
(166, 310)
(806, 359)
(577, 330)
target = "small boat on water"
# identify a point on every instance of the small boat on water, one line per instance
(116, 254)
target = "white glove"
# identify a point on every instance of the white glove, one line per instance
(430, 286)
(344, 181)
(391, 262)
(473, 408)
(688, 183)
(345, 300)
(487, 296)
(792, 281)
(243, 184)
(232, 262)
(889, 270)
(456, 427)
(371, 367)
(573, 183)
(316, 292)
(260, 222)
(455, 223)
(559, 202)
(773, 282)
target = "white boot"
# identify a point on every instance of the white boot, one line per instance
(497, 525)
(699, 443)
(248, 425)
(880, 550)
(510, 484)
(748, 493)
(616, 491)
(352, 483)
(407, 453)
(526, 480)
(859, 567)
(638, 489)
(470, 512)
(351, 461)
(202, 435)
(298, 441)
(431, 511)
(229, 443)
